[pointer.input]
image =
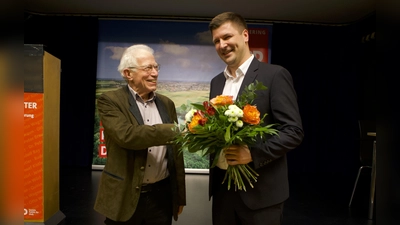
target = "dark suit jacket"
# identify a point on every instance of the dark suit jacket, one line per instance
(279, 101)
(127, 140)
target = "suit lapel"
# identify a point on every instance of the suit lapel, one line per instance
(218, 88)
(248, 79)
(134, 108)
(162, 110)
(251, 74)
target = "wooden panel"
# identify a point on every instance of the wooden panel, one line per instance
(51, 131)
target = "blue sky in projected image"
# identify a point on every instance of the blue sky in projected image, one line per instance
(183, 49)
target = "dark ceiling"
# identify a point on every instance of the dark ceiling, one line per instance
(298, 11)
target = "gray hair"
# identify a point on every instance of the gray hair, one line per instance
(130, 55)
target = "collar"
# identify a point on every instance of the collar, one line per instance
(137, 97)
(242, 70)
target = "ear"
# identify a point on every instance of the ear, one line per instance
(127, 74)
(246, 36)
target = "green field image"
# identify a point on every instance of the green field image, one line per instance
(185, 97)
(181, 93)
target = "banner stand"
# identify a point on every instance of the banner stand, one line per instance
(41, 137)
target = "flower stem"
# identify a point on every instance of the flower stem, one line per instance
(235, 174)
(245, 174)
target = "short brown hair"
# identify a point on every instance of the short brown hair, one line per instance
(224, 17)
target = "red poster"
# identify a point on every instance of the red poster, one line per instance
(102, 151)
(33, 157)
(101, 134)
(258, 43)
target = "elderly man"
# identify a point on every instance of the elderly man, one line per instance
(143, 181)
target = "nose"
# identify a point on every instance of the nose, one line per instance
(222, 44)
(154, 71)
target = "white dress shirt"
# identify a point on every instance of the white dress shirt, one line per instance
(232, 86)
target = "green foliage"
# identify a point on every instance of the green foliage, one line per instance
(196, 161)
(249, 94)
(181, 110)
(99, 161)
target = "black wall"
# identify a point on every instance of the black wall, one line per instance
(333, 73)
(74, 41)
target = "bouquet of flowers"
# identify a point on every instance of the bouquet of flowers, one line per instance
(216, 124)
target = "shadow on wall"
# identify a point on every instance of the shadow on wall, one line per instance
(198, 207)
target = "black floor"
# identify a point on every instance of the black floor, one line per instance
(314, 200)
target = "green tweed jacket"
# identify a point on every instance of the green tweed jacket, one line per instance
(127, 140)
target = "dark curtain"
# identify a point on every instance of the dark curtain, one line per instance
(74, 41)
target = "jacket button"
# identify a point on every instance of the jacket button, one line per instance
(142, 168)
(137, 188)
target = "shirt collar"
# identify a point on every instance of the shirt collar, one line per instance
(137, 97)
(242, 70)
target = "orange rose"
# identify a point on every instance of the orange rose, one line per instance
(221, 100)
(196, 120)
(251, 115)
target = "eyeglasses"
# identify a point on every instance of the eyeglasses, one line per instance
(147, 68)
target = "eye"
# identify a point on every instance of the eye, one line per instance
(227, 37)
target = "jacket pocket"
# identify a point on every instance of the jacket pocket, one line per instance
(113, 175)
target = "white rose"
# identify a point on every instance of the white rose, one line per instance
(229, 113)
(239, 123)
(234, 111)
(233, 119)
(239, 113)
(189, 115)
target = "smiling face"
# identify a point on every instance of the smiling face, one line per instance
(143, 82)
(231, 45)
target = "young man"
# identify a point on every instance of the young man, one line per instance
(143, 181)
(263, 204)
